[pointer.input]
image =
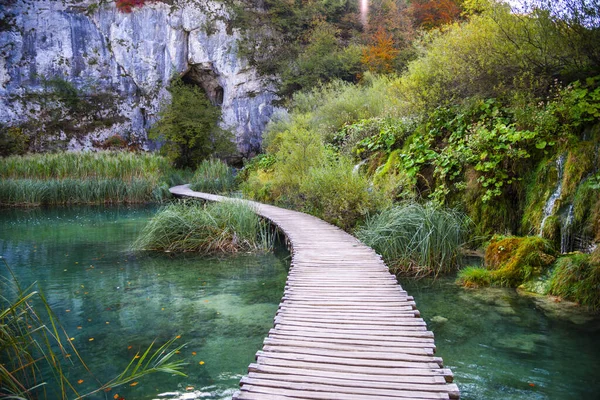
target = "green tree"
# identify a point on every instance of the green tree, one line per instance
(189, 127)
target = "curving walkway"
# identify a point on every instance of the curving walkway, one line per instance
(345, 329)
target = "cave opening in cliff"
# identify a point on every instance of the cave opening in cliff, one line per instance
(205, 77)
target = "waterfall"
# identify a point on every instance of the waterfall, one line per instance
(565, 232)
(549, 207)
(356, 168)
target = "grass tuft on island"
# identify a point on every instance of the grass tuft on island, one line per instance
(417, 239)
(85, 178)
(213, 176)
(191, 226)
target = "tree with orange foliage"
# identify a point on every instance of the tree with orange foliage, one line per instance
(433, 13)
(379, 56)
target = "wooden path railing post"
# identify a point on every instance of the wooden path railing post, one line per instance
(345, 329)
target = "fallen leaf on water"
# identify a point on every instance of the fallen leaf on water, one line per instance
(71, 339)
(79, 327)
(193, 353)
(129, 347)
(107, 322)
(189, 388)
(82, 286)
(136, 356)
(162, 309)
(116, 396)
(108, 389)
(67, 355)
(177, 352)
(80, 381)
(67, 310)
(91, 339)
(201, 363)
(133, 384)
(178, 337)
(532, 384)
(89, 320)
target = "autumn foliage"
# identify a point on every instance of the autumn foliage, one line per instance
(380, 55)
(433, 13)
(126, 6)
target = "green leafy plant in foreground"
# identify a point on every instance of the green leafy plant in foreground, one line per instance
(35, 350)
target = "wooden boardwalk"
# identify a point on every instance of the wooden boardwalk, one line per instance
(345, 329)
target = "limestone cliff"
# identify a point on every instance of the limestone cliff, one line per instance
(129, 58)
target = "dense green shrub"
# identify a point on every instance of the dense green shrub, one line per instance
(576, 277)
(205, 228)
(188, 125)
(339, 195)
(417, 239)
(213, 176)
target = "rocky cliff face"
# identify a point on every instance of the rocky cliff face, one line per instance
(122, 62)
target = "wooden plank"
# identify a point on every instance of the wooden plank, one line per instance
(408, 348)
(438, 387)
(348, 376)
(349, 323)
(334, 360)
(327, 389)
(354, 354)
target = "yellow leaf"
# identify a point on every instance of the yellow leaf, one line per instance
(133, 384)
(178, 337)
(80, 381)
(193, 353)
(71, 339)
(201, 363)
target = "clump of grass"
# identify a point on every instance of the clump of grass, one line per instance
(189, 226)
(36, 351)
(473, 277)
(576, 277)
(84, 178)
(417, 239)
(213, 176)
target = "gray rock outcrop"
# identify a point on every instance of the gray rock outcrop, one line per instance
(130, 57)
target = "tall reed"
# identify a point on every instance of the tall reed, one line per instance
(84, 178)
(417, 239)
(190, 226)
(213, 176)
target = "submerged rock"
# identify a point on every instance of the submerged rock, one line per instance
(126, 60)
(438, 319)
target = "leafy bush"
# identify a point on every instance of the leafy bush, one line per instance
(337, 194)
(189, 127)
(213, 176)
(417, 239)
(226, 227)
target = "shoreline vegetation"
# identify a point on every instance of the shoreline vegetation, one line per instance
(107, 177)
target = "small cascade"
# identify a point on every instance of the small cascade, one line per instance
(357, 167)
(549, 207)
(565, 231)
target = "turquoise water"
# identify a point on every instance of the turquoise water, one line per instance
(115, 303)
(501, 345)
